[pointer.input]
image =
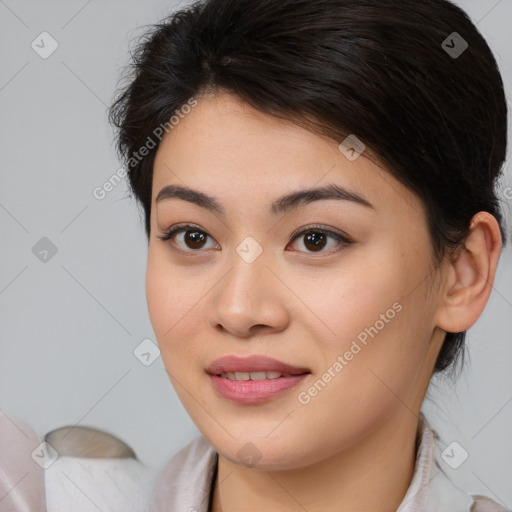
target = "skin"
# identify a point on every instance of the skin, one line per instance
(351, 448)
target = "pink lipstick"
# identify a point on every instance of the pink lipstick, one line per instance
(253, 379)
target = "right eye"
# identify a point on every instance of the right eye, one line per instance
(192, 239)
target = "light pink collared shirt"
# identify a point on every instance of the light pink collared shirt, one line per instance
(186, 481)
(31, 483)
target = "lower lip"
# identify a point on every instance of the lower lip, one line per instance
(254, 391)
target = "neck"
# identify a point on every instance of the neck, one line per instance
(373, 474)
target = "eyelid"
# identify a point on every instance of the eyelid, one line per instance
(324, 229)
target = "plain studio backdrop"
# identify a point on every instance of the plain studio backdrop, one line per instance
(72, 262)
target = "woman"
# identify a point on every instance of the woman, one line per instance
(318, 181)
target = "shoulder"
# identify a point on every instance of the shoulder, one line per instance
(186, 480)
(197, 455)
(73, 483)
(89, 466)
(21, 475)
(195, 452)
(443, 492)
(485, 504)
(73, 468)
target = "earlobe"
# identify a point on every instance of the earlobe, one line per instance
(470, 275)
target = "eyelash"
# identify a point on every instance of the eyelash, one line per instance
(345, 241)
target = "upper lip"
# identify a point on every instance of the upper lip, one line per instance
(253, 363)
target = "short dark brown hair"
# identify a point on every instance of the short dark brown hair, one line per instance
(385, 70)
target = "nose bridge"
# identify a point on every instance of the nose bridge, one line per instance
(245, 297)
(246, 278)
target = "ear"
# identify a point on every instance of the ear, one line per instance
(470, 275)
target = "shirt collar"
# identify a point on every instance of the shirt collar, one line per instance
(431, 490)
(187, 479)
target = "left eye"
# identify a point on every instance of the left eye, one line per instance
(316, 239)
(313, 239)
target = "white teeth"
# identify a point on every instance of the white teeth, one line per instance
(253, 375)
(258, 375)
(275, 375)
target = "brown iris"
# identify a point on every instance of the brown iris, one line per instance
(317, 240)
(195, 239)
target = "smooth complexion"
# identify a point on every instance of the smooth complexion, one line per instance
(351, 448)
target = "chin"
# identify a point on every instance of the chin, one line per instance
(255, 452)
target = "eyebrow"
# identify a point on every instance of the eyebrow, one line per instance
(282, 204)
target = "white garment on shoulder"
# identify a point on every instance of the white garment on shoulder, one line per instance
(88, 485)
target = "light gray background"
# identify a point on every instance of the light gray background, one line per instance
(69, 326)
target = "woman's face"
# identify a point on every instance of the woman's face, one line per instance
(357, 313)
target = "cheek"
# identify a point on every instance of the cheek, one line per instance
(353, 298)
(175, 305)
(376, 314)
(167, 298)
(157, 296)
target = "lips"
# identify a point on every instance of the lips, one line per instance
(253, 363)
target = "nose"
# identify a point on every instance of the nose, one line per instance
(249, 299)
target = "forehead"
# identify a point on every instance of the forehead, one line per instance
(224, 133)
(228, 148)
